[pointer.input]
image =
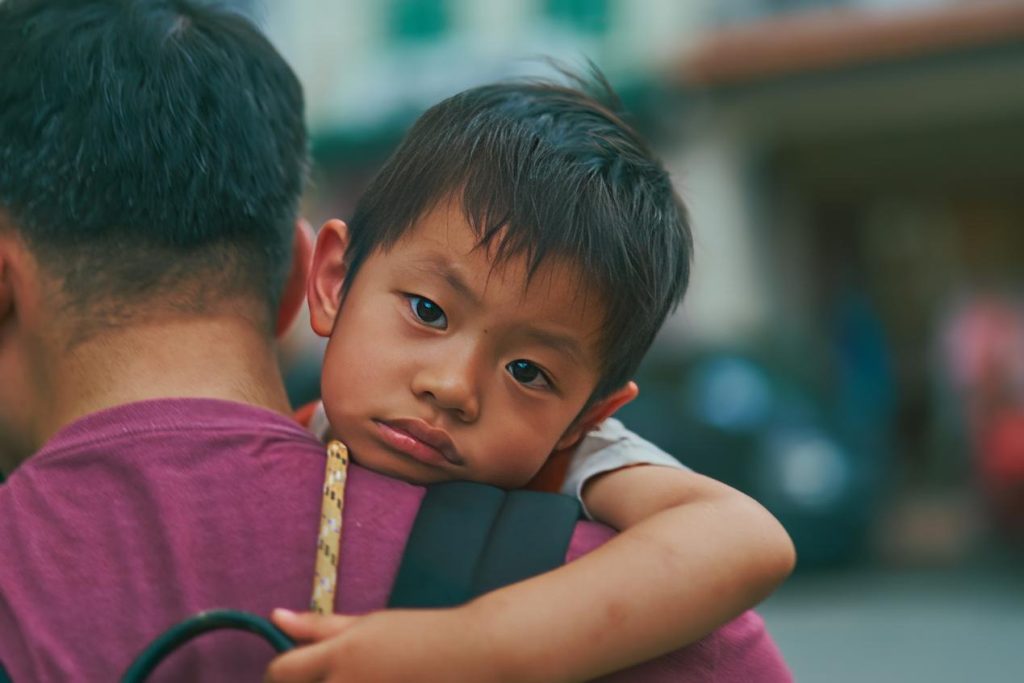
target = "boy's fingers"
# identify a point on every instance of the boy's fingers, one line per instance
(301, 665)
(308, 626)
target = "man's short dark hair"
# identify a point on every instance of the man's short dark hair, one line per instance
(545, 170)
(149, 148)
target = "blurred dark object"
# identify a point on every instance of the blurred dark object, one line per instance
(755, 427)
(302, 379)
(300, 353)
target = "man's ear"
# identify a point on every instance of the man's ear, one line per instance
(6, 289)
(15, 262)
(597, 413)
(327, 277)
(295, 286)
(21, 285)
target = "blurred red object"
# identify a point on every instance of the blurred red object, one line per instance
(984, 359)
(1001, 467)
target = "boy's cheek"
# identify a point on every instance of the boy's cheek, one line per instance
(514, 460)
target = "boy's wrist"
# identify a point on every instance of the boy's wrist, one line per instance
(502, 649)
(513, 640)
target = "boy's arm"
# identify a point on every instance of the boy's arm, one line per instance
(694, 554)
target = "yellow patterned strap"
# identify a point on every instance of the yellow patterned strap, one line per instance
(329, 540)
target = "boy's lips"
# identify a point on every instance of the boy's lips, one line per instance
(420, 441)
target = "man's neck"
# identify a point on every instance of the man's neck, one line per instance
(213, 357)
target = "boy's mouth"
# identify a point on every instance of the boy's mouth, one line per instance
(420, 441)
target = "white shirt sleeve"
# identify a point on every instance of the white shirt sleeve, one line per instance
(610, 447)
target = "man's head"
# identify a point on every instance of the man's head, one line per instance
(541, 195)
(152, 154)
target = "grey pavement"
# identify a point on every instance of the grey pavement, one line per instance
(951, 625)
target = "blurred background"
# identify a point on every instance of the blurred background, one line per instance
(851, 351)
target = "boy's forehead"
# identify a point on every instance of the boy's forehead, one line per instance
(442, 244)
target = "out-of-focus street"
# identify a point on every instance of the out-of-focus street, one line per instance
(948, 625)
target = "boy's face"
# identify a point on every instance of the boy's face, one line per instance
(441, 366)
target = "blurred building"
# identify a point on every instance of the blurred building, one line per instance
(367, 64)
(854, 178)
(857, 168)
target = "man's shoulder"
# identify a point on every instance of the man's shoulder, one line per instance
(586, 537)
(116, 501)
(185, 418)
(737, 652)
(367, 481)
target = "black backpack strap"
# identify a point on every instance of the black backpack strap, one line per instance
(529, 537)
(446, 541)
(472, 538)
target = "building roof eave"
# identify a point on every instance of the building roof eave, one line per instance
(837, 39)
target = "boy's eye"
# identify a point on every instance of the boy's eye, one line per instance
(529, 374)
(427, 311)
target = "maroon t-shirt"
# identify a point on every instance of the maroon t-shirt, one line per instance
(134, 518)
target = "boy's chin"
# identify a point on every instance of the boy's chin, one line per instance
(397, 468)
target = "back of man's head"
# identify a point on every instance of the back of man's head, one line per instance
(152, 153)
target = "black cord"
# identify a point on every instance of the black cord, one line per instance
(194, 626)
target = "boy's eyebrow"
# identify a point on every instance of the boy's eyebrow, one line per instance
(439, 266)
(559, 342)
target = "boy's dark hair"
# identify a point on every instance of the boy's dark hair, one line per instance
(149, 148)
(543, 170)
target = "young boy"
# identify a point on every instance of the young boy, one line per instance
(498, 286)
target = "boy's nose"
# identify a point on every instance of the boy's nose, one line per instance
(450, 383)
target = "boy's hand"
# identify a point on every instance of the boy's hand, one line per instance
(391, 645)
(312, 661)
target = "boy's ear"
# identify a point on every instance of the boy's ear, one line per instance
(327, 276)
(596, 414)
(295, 286)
